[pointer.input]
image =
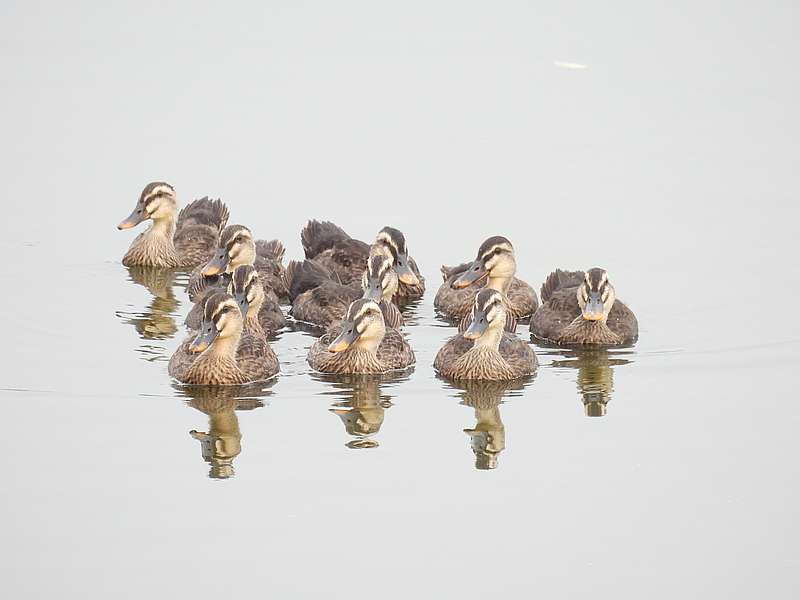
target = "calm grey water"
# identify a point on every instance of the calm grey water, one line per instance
(671, 159)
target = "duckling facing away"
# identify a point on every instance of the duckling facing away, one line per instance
(485, 350)
(318, 299)
(494, 268)
(363, 344)
(174, 239)
(581, 308)
(222, 354)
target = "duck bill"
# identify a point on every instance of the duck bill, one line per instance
(244, 305)
(476, 272)
(345, 339)
(137, 216)
(373, 291)
(208, 333)
(218, 263)
(593, 310)
(477, 328)
(404, 272)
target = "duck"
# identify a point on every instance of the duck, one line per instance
(219, 354)
(320, 300)
(494, 268)
(330, 246)
(237, 247)
(363, 344)
(262, 313)
(174, 240)
(345, 257)
(581, 308)
(411, 283)
(485, 350)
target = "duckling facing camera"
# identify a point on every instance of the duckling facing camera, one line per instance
(174, 239)
(219, 354)
(485, 351)
(581, 308)
(363, 344)
(494, 268)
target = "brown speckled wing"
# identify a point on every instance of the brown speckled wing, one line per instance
(555, 314)
(394, 351)
(197, 230)
(518, 354)
(181, 360)
(271, 316)
(623, 322)
(392, 317)
(256, 358)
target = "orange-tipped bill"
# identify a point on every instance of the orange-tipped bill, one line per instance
(593, 309)
(345, 339)
(218, 263)
(208, 333)
(404, 272)
(476, 272)
(137, 216)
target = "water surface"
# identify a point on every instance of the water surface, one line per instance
(667, 469)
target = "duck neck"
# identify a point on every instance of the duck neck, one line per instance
(224, 347)
(490, 341)
(500, 283)
(251, 323)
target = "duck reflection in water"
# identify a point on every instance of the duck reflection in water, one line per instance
(223, 440)
(595, 379)
(157, 320)
(360, 404)
(488, 435)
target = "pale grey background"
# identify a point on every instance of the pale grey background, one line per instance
(672, 160)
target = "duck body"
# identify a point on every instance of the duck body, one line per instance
(361, 344)
(316, 297)
(254, 361)
(174, 239)
(493, 269)
(459, 359)
(221, 352)
(485, 351)
(393, 353)
(560, 319)
(330, 246)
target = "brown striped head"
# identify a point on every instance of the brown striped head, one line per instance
(222, 319)
(392, 242)
(245, 287)
(157, 201)
(362, 327)
(236, 247)
(488, 314)
(379, 281)
(495, 260)
(596, 295)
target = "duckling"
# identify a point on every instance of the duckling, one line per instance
(494, 268)
(363, 344)
(262, 313)
(329, 245)
(224, 355)
(169, 242)
(236, 247)
(485, 350)
(581, 308)
(318, 299)
(392, 242)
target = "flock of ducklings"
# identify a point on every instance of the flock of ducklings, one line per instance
(354, 290)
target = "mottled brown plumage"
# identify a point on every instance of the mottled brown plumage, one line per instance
(560, 318)
(370, 347)
(173, 240)
(233, 357)
(497, 263)
(485, 351)
(328, 245)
